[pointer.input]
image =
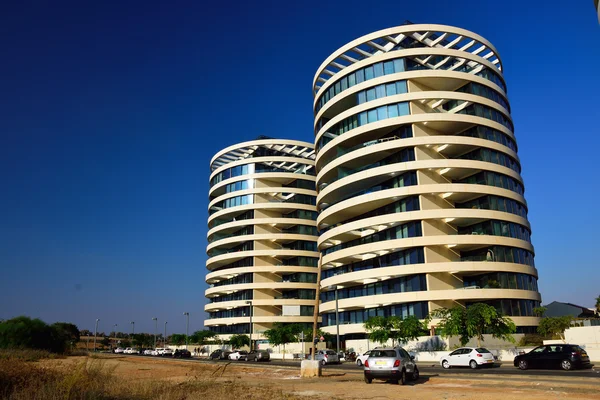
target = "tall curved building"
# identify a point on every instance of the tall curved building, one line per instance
(262, 238)
(419, 182)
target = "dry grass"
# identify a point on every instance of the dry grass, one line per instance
(26, 354)
(92, 379)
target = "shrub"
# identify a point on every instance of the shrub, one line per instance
(531, 339)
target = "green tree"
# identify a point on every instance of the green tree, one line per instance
(381, 329)
(540, 311)
(598, 305)
(554, 327)
(177, 339)
(473, 322)
(281, 334)
(24, 332)
(69, 333)
(105, 341)
(202, 337)
(238, 341)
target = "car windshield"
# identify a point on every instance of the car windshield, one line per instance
(482, 350)
(383, 353)
(243, 352)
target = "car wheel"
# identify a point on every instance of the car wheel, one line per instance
(415, 374)
(566, 365)
(368, 380)
(402, 380)
(323, 362)
(359, 363)
(255, 359)
(473, 364)
(523, 365)
(446, 364)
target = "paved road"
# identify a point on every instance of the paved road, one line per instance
(425, 368)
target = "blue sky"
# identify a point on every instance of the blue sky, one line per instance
(110, 113)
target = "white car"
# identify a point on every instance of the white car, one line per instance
(237, 354)
(148, 352)
(131, 350)
(119, 350)
(360, 360)
(467, 357)
(157, 351)
(167, 353)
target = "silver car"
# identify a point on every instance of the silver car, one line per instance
(395, 365)
(327, 357)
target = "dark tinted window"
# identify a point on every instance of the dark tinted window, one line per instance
(383, 353)
(482, 350)
(331, 352)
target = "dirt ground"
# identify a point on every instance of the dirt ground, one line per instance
(349, 385)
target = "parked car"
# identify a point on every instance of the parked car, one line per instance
(327, 357)
(237, 354)
(468, 357)
(182, 354)
(157, 351)
(395, 365)
(360, 360)
(148, 352)
(131, 350)
(167, 352)
(119, 350)
(256, 355)
(219, 354)
(565, 356)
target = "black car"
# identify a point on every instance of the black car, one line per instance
(219, 354)
(182, 354)
(565, 356)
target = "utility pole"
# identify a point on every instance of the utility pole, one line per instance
(165, 341)
(155, 329)
(187, 328)
(337, 320)
(316, 312)
(250, 303)
(95, 333)
(132, 328)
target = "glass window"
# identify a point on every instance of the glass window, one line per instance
(382, 113)
(362, 97)
(378, 70)
(371, 95)
(399, 65)
(360, 76)
(369, 74)
(372, 115)
(403, 109)
(392, 111)
(401, 87)
(390, 89)
(351, 80)
(380, 91)
(388, 67)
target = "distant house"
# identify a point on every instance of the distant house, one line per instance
(558, 309)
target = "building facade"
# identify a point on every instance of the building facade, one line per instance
(262, 238)
(420, 195)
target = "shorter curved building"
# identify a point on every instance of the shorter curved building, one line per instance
(262, 238)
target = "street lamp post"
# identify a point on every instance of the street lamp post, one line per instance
(132, 328)
(337, 321)
(155, 329)
(165, 341)
(249, 302)
(95, 333)
(115, 326)
(187, 328)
